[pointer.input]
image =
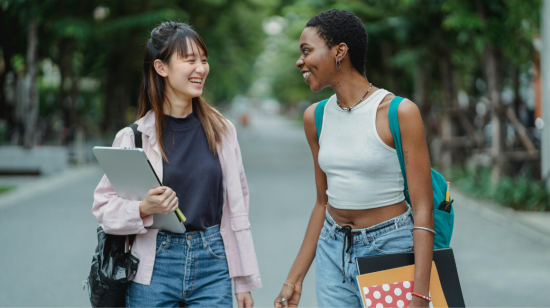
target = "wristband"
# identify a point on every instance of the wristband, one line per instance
(289, 285)
(422, 296)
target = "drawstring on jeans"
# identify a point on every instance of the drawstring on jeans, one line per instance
(347, 235)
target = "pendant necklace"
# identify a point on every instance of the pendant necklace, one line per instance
(362, 98)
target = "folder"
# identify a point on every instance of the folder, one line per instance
(443, 263)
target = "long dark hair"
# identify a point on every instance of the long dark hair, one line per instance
(166, 39)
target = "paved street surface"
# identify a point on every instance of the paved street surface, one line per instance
(47, 239)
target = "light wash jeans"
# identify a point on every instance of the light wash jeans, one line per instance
(190, 269)
(391, 236)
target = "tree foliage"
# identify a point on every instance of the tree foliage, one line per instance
(104, 41)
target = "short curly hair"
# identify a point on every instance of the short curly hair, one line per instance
(340, 26)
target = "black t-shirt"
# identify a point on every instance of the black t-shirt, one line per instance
(193, 172)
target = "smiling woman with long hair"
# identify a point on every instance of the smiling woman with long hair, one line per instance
(361, 208)
(195, 153)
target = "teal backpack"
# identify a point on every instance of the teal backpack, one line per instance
(444, 221)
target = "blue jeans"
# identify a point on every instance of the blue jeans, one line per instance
(391, 236)
(190, 269)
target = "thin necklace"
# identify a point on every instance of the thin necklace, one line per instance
(362, 98)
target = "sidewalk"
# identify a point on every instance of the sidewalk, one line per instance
(28, 187)
(532, 224)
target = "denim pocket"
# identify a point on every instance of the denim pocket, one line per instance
(398, 241)
(325, 233)
(216, 248)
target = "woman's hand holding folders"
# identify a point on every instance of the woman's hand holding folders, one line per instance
(161, 200)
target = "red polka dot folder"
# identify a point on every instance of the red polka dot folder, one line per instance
(393, 288)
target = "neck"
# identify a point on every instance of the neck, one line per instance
(177, 105)
(351, 87)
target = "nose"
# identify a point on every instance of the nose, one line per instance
(201, 68)
(300, 62)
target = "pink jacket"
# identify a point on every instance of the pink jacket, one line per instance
(120, 216)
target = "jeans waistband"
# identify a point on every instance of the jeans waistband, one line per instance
(191, 237)
(373, 231)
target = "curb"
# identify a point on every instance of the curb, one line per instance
(46, 184)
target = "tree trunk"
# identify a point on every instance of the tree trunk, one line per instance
(494, 85)
(117, 94)
(65, 60)
(421, 88)
(514, 74)
(31, 104)
(448, 96)
(7, 103)
(545, 70)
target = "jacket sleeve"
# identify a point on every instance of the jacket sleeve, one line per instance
(245, 284)
(244, 184)
(115, 214)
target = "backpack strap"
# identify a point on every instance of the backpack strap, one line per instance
(138, 143)
(396, 133)
(137, 136)
(319, 112)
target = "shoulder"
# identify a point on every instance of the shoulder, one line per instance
(410, 120)
(408, 111)
(309, 114)
(126, 131)
(230, 131)
(124, 138)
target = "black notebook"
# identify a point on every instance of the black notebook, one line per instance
(444, 261)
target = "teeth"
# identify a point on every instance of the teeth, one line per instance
(196, 80)
(306, 74)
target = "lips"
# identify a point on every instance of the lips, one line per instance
(197, 82)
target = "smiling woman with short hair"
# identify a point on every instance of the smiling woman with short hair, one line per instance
(360, 208)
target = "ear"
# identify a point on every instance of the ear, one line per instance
(341, 51)
(160, 67)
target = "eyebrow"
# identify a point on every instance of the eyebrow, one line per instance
(193, 55)
(303, 44)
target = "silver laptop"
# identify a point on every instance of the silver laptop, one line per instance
(132, 176)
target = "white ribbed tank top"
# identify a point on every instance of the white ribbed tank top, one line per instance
(362, 171)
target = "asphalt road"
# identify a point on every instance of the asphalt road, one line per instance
(48, 238)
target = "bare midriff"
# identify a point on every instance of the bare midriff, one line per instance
(360, 219)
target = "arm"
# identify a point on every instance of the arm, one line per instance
(114, 214)
(309, 245)
(120, 216)
(417, 165)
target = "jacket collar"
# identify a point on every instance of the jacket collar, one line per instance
(147, 126)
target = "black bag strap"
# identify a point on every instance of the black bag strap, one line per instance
(138, 143)
(137, 136)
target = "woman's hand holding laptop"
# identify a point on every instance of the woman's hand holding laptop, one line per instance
(161, 200)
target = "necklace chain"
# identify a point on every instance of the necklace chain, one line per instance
(362, 98)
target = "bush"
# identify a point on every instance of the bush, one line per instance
(519, 193)
(6, 187)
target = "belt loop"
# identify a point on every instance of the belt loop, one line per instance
(168, 241)
(364, 236)
(203, 238)
(332, 229)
